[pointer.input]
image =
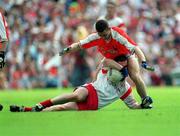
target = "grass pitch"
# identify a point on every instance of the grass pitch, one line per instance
(114, 120)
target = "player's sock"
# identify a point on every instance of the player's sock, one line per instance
(26, 109)
(42, 105)
(38, 107)
(46, 103)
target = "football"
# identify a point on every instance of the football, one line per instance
(114, 76)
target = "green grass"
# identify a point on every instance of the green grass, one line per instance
(113, 120)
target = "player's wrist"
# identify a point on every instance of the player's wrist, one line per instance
(144, 64)
(124, 72)
(143, 61)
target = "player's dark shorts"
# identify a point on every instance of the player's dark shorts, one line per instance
(91, 102)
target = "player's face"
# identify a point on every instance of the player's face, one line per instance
(111, 9)
(106, 34)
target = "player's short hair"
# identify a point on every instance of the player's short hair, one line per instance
(101, 25)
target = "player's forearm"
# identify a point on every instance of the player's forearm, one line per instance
(112, 64)
(140, 54)
(73, 47)
(97, 71)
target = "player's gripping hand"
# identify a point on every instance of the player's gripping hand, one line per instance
(64, 51)
(124, 72)
(146, 66)
(146, 102)
(2, 59)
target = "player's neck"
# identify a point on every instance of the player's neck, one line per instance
(108, 17)
(107, 41)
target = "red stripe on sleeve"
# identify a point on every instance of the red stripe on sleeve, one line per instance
(121, 25)
(123, 33)
(124, 96)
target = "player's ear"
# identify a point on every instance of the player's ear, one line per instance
(109, 28)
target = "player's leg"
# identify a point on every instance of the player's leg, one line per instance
(78, 95)
(62, 107)
(134, 73)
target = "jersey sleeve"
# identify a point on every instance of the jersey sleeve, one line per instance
(90, 41)
(121, 36)
(120, 22)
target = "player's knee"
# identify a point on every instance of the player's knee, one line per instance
(135, 76)
(133, 67)
(61, 108)
(77, 97)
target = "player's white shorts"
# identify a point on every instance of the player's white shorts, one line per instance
(3, 29)
(102, 93)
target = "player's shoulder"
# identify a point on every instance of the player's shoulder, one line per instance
(90, 38)
(118, 19)
(102, 17)
(94, 36)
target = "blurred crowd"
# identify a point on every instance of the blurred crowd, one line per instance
(40, 28)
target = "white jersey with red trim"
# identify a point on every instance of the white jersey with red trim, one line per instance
(115, 21)
(108, 93)
(3, 29)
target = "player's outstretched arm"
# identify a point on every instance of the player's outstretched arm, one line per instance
(131, 102)
(73, 47)
(97, 71)
(140, 54)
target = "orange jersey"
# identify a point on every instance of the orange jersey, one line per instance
(120, 44)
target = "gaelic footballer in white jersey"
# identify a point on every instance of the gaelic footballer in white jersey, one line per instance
(3, 39)
(108, 93)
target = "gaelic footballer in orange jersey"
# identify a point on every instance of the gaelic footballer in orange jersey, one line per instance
(118, 44)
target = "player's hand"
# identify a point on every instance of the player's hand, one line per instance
(64, 51)
(124, 72)
(146, 102)
(146, 66)
(2, 59)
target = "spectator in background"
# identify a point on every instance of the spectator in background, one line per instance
(111, 16)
